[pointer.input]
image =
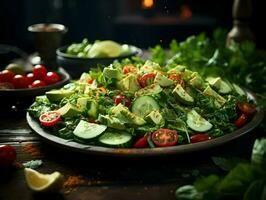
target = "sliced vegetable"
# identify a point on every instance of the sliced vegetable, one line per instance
(197, 123)
(241, 121)
(143, 105)
(164, 137)
(50, 118)
(87, 131)
(116, 140)
(146, 79)
(141, 142)
(122, 99)
(246, 108)
(199, 138)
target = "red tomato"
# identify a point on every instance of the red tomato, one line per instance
(241, 121)
(20, 81)
(177, 78)
(51, 78)
(146, 79)
(164, 137)
(50, 118)
(122, 99)
(142, 142)
(7, 155)
(128, 69)
(246, 108)
(39, 71)
(6, 76)
(30, 77)
(199, 138)
(37, 83)
(90, 81)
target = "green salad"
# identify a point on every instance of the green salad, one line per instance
(98, 49)
(142, 105)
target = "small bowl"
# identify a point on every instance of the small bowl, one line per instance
(25, 96)
(75, 66)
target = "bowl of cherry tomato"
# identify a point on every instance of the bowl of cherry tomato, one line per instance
(17, 85)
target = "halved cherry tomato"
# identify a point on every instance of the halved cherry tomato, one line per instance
(37, 83)
(7, 155)
(164, 137)
(246, 108)
(128, 69)
(20, 81)
(241, 121)
(199, 138)
(142, 142)
(122, 99)
(177, 78)
(146, 79)
(39, 71)
(50, 118)
(6, 76)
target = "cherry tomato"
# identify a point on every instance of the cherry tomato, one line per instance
(129, 69)
(39, 71)
(246, 108)
(7, 155)
(241, 121)
(142, 142)
(6, 76)
(199, 138)
(20, 81)
(146, 79)
(50, 118)
(177, 78)
(164, 137)
(122, 99)
(37, 83)
(51, 78)
(90, 81)
(30, 77)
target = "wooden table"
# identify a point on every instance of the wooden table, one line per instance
(103, 177)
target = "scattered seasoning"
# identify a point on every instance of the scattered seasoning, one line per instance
(32, 149)
(71, 182)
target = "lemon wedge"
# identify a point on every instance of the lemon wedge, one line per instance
(105, 48)
(39, 182)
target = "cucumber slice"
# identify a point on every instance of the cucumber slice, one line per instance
(88, 131)
(143, 105)
(116, 140)
(197, 123)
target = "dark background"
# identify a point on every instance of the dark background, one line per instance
(120, 20)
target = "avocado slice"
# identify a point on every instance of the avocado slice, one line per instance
(210, 92)
(239, 90)
(69, 110)
(180, 93)
(129, 83)
(84, 77)
(112, 122)
(149, 90)
(155, 117)
(220, 85)
(58, 95)
(149, 66)
(111, 73)
(163, 80)
(197, 82)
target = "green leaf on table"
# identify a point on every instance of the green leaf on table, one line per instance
(33, 164)
(255, 190)
(227, 164)
(259, 152)
(188, 192)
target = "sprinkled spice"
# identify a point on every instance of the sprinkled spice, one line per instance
(72, 181)
(32, 149)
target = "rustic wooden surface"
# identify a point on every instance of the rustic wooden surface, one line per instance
(106, 178)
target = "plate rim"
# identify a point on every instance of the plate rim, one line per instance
(146, 152)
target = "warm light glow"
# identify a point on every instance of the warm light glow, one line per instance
(147, 4)
(185, 12)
